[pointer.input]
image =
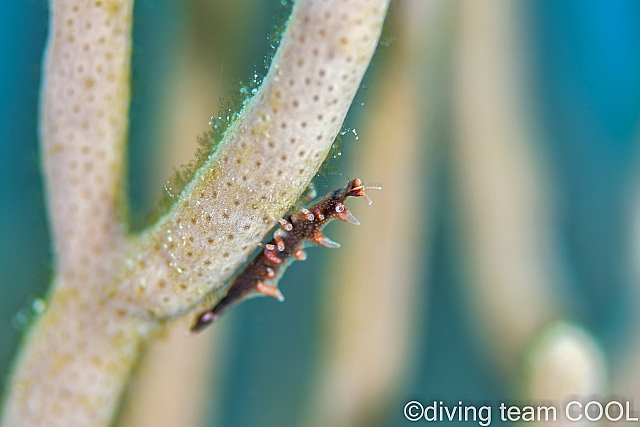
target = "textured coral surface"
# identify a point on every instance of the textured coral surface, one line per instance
(112, 290)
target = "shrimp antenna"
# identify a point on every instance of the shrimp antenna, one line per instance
(366, 197)
(361, 190)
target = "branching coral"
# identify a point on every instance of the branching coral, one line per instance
(111, 291)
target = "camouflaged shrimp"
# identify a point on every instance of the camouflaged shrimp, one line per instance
(260, 277)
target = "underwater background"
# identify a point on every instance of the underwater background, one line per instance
(578, 86)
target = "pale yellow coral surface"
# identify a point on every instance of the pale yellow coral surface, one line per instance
(112, 290)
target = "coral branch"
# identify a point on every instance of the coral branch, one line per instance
(110, 292)
(84, 119)
(264, 163)
(77, 356)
